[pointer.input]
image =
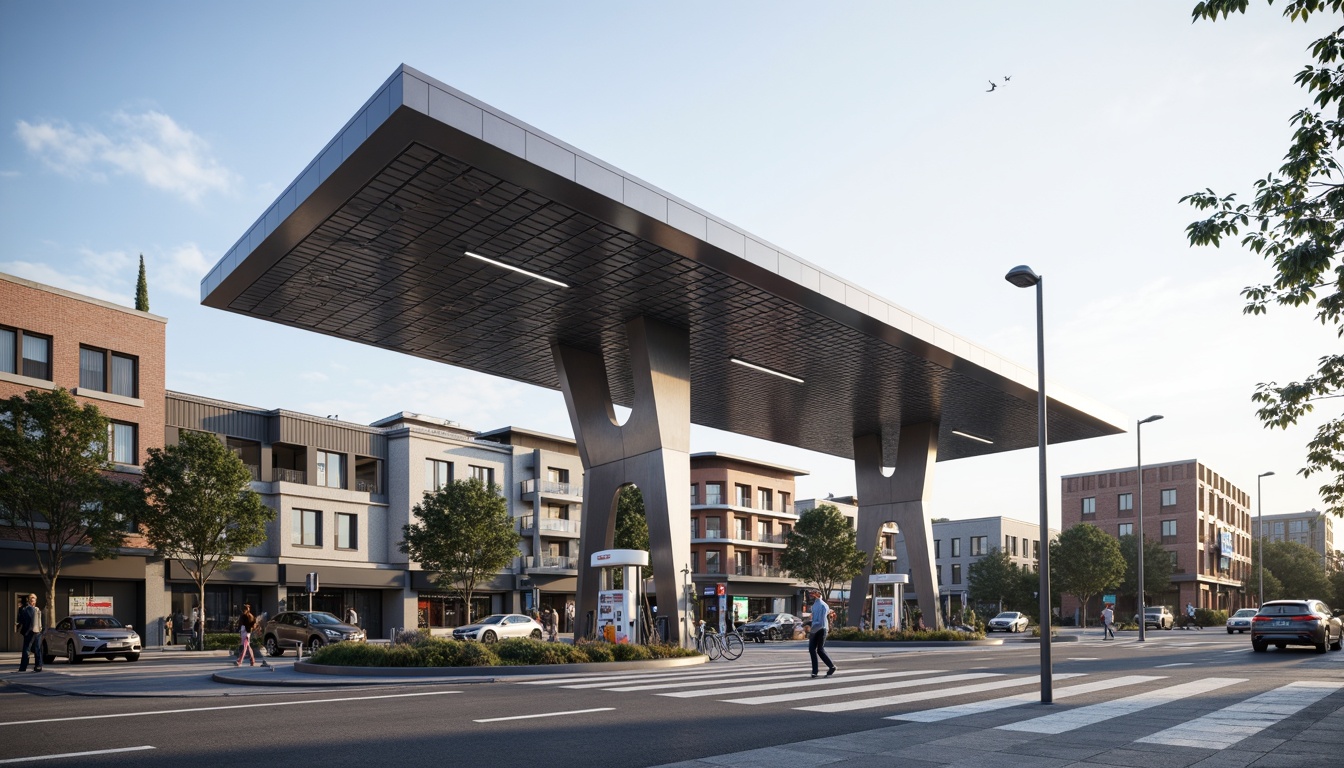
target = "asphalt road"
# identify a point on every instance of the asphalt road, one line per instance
(165, 710)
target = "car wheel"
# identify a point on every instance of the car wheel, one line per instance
(489, 636)
(132, 657)
(70, 654)
(273, 647)
(47, 655)
(1324, 645)
(314, 643)
(773, 634)
(1339, 643)
(1229, 631)
(536, 634)
(1259, 646)
(1169, 627)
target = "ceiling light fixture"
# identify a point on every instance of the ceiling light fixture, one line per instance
(511, 268)
(969, 436)
(763, 369)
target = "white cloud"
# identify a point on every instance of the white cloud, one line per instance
(150, 146)
(84, 283)
(111, 275)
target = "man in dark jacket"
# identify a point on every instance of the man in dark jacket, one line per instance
(29, 624)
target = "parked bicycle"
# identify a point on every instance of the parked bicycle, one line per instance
(714, 645)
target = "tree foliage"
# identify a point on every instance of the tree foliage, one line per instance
(632, 527)
(821, 551)
(1158, 566)
(1085, 561)
(142, 288)
(200, 507)
(995, 578)
(1297, 571)
(1296, 220)
(55, 493)
(463, 534)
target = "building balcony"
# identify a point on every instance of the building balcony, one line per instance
(366, 486)
(550, 564)
(888, 554)
(550, 526)
(280, 475)
(780, 511)
(551, 489)
(761, 571)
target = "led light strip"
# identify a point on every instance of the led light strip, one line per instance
(511, 268)
(972, 437)
(763, 369)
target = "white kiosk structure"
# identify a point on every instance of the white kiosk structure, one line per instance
(618, 609)
(887, 609)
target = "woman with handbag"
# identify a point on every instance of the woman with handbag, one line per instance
(246, 623)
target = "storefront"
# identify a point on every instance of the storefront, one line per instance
(116, 586)
(437, 608)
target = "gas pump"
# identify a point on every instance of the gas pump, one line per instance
(886, 613)
(618, 609)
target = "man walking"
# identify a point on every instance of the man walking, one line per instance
(1190, 616)
(816, 642)
(29, 624)
(1107, 618)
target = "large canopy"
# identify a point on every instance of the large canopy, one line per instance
(370, 244)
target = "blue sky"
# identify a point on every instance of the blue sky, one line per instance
(856, 135)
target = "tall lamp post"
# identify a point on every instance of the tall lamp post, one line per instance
(1023, 277)
(1138, 439)
(1260, 526)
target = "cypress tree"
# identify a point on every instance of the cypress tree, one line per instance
(142, 288)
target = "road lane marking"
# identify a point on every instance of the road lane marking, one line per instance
(1177, 664)
(1084, 658)
(989, 705)
(846, 706)
(773, 686)
(216, 709)
(544, 714)
(700, 671)
(1061, 722)
(775, 677)
(776, 698)
(1229, 725)
(72, 754)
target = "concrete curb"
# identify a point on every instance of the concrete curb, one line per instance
(305, 667)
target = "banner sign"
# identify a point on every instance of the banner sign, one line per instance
(99, 605)
(884, 613)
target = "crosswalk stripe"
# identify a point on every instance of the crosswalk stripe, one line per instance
(989, 705)
(798, 696)
(776, 685)
(1229, 725)
(777, 678)
(1060, 722)
(846, 706)
(701, 671)
(688, 680)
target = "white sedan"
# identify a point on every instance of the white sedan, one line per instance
(1240, 621)
(499, 626)
(1008, 621)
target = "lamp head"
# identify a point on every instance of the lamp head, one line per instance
(1022, 276)
(1264, 474)
(1154, 417)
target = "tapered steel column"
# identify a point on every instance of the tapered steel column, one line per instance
(651, 450)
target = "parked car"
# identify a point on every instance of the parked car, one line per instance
(1008, 621)
(771, 626)
(83, 636)
(499, 626)
(1296, 622)
(310, 629)
(1240, 621)
(1157, 616)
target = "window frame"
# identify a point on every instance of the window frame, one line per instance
(1166, 491)
(1121, 531)
(112, 426)
(299, 528)
(350, 522)
(1124, 502)
(1089, 505)
(432, 467)
(22, 355)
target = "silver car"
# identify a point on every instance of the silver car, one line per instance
(499, 626)
(1240, 621)
(309, 629)
(1008, 621)
(83, 636)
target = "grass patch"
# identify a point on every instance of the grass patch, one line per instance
(897, 636)
(439, 652)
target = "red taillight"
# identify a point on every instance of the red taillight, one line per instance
(1254, 619)
(1308, 617)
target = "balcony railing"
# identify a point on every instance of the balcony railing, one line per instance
(889, 553)
(553, 524)
(768, 571)
(367, 486)
(771, 538)
(550, 561)
(713, 533)
(290, 475)
(254, 470)
(552, 487)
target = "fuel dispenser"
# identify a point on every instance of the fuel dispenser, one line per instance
(618, 609)
(887, 610)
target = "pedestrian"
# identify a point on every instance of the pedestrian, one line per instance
(555, 624)
(29, 624)
(569, 615)
(246, 623)
(168, 630)
(1190, 616)
(816, 642)
(1107, 618)
(351, 617)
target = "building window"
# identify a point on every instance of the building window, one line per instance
(1125, 502)
(1168, 531)
(1012, 545)
(939, 570)
(763, 499)
(712, 562)
(37, 356)
(742, 527)
(485, 474)
(1168, 497)
(307, 528)
(763, 530)
(557, 475)
(713, 530)
(713, 493)
(437, 473)
(695, 494)
(1036, 549)
(1090, 505)
(125, 376)
(744, 495)
(979, 546)
(695, 528)
(956, 573)
(695, 562)
(121, 446)
(331, 469)
(347, 531)
(784, 505)
(937, 548)
(1126, 529)
(956, 547)
(9, 351)
(92, 369)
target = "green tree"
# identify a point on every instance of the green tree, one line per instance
(1337, 589)
(995, 578)
(1158, 566)
(1298, 568)
(1085, 561)
(632, 527)
(201, 510)
(463, 534)
(55, 493)
(1273, 587)
(142, 288)
(1296, 220)
(820, 551)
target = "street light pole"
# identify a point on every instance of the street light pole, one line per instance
(1260, 526)
(1138, 439)
(1023, 277)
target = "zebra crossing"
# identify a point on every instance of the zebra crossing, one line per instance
(887, 693)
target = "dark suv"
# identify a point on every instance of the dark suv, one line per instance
(771, 626)
(1296, 622)
(310, 629)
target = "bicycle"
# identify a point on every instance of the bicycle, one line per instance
(728, 645)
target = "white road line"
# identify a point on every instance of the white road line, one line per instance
(1229, 725)
(775, 699)
(1084, 658)
(989, 705)
(772, 686)
(72, 754)
(689, 678)
(544, 714)
(701, 671)
(1177, 664)
(846, 706)
(1061, 722)
(778, 677)
(216, 709)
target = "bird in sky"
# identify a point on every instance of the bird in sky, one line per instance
(1006, 78)
(992, 86)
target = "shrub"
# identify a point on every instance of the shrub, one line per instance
(596, 651)
(351, 655)
(630, 652)
(523, 651)
(221, 641)
(1205, 617)
(410, 636)
(666, 651)
(440, 652)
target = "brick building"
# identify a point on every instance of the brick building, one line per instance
(1314, 529)
(1199, 517)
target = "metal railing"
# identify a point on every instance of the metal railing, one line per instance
(771, 538)
(254, 470)
(290, 475)
(888, 553)
(553, 487)
(550, 561)
(367, 486)
(553, 524)
(769, 571)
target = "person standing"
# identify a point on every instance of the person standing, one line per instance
(29, 624)
(1107, 617)
(569, 615)
(821, 624)
(246, 623)
(555, 624)
(351, 617)
(168, 629)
